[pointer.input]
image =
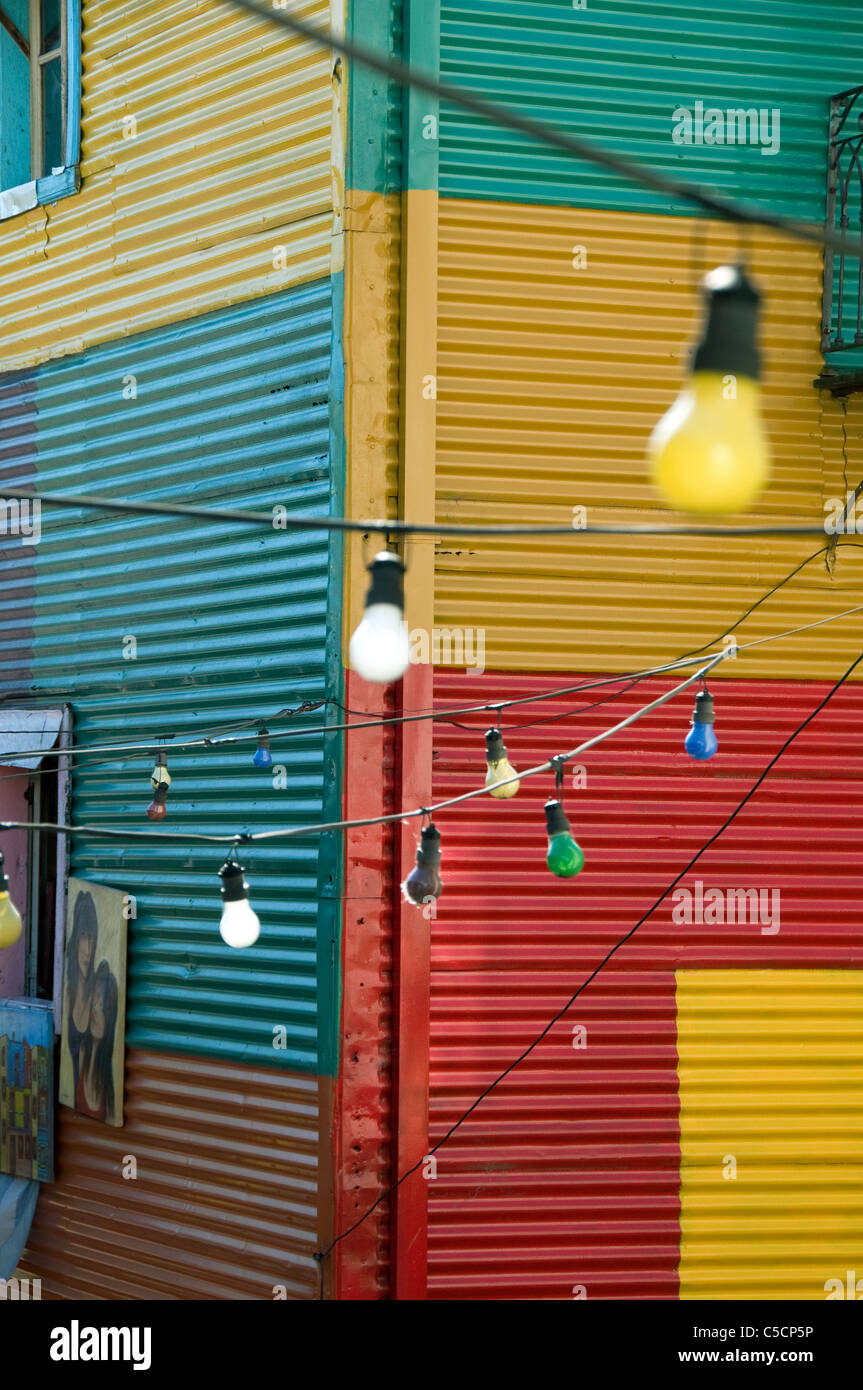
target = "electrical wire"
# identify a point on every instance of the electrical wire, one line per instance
(321, 1255)
(215, 741)
(770, 592)
(225, 739)
(713, 205)
(242, 517)
(96, 832)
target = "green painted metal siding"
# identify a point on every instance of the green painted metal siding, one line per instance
(614, 72)
(230, 624)
(374, 134)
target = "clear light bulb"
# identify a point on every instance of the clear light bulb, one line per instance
(709, 452)
(700, 743)
(263, 757)
(10, 917)
(160, 776)
(423, 884)
(379, 649)
(499, 767)
(240, 926)
(565, 858)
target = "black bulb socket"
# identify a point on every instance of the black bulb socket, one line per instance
(4, 877)
(495, 751)
(387, 576)
(703, 712)
(556, 822)
(234, 886)
(728, 343)
(428, 852)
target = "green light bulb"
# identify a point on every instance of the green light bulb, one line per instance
(564, 857)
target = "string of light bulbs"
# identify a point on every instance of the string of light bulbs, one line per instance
(262, 735)
(321, 1255)
(240, 925)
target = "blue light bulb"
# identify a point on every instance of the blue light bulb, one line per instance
(263, 757)
(700, 742)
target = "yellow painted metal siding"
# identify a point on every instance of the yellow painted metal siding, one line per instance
(550, 379)
(231, 159)
(771, 1076)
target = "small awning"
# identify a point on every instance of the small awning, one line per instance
(24, 730)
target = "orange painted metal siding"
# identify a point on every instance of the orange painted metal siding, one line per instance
(225, 1204)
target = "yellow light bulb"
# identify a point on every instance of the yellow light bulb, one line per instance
(709, 452)
(10, 922)
(499, 768)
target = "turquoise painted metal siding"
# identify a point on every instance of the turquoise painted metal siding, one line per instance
(230, 624)
(374, 136)
(17, 557)
(614, 73)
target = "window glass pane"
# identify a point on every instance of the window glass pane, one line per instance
(52, 115)
(50, 25)
(14, 101)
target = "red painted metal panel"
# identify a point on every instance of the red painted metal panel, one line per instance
(567, 1175)
(362, 1118)
(380, 1120)
(564, 1182)
(411, 1003)
(645, 809)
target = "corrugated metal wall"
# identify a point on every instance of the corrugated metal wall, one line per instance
(615, 73)
(229, 624)
(564, 1183)
(230, 158)
(550, 380)
(17, 559)
(771, 1120)
(573, 1176)
(363, 1106)
(565, 315)
(222, 1203)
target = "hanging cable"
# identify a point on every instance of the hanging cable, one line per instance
(100, 832)
(266, 520)
(713, 205)
(531, 1047)
(217, 740)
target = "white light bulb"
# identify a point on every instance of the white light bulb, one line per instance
(501, 772)
(240, 926)
(379, 649)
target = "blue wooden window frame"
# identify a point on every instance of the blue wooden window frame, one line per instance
(54, 186)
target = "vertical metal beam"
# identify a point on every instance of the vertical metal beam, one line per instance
(417, 501)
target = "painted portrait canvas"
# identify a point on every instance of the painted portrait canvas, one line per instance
(92, 1048)
(26, 1090)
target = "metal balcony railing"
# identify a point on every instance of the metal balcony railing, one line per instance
(842, 301)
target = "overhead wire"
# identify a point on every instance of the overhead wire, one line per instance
(321, 1255)
(222, 739)
(406, 75)
(98, 502)
(293, 832)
